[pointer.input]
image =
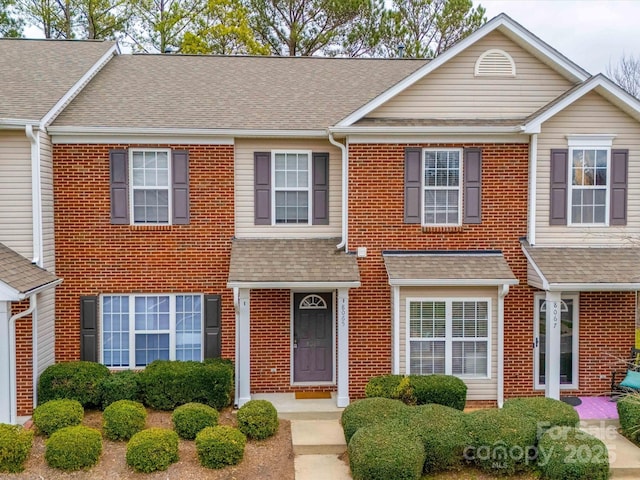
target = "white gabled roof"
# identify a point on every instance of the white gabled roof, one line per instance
(504, 24)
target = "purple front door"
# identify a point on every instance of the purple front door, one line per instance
(312, 337)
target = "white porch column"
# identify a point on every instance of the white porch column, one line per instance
(552, 345)
(343, 347)
(244, 347)
(5, 378)
(395, 347)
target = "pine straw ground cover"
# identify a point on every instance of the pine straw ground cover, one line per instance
(270, 459)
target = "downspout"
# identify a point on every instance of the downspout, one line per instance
(345, 186)
(13, 387)
(533, 180)
(502, 292)
(36, 195)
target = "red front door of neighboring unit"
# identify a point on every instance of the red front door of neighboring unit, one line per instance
(313, 338)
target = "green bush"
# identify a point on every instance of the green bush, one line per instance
(258, 419)
(396, 387)
(443, 432)
(568, 453)
(386, 450)
(501, 442)
(121, 385)
(73, 448)
(168, 384)
(220, 446)
(56, 414)
(544, 412)
(629, 415)
(72, 380)
(15, 446)
(190, 418)
(123, 419)
(420, 389)
(152, 449)
(369, 411)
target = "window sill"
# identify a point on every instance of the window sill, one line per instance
(151, 227)
(445, 229)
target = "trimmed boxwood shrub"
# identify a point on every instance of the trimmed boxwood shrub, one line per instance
(629, 415)
(56, 414)
(568, 453)
(501, 442)
(121, 385)
(152, 449)
(123, 419)
(72, 380)
(544, 412)
(190, 418)
(369, 411)
(386, 450)
(420, 389)
(396, 387)
(167, 384)
(220, 446)
(73, 448)
(15, 446)
(258, 419)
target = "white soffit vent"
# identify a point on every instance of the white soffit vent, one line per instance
(495, 63)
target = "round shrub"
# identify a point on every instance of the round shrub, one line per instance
(152, 449)
(501, 442)
(220, 446)
(73, 448)
(56, 414)
(369, 411)
(386, 450)
(397, 387)
(544, 412)
(72, 380)
(258, 419)
(121, 385)
(190, 418)
(568, 453)
(441, 389)
(629, 415)
(15, 446)
(123, 419)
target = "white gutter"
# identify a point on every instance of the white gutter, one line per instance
(533, 181)
(413, 130)
(13, 389)
(290, 285)
(502, 292)
(36, 194)
(345, 197)
(452, 282)
(594, 287)
(16, 123)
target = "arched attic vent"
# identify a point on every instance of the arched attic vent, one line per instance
(495, 63)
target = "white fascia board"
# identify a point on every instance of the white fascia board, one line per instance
(9, 294)
(417, 130)
(545, 283)
(502, 22)
(593, 287)
(290, 285)
(79, 85)
(452, 282)
(470, 137)
(17, 123)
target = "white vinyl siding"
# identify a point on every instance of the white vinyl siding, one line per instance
(46, 330)
(244, 189)
(592, 114)
(454, 91)
(46, 175)
(291, 189)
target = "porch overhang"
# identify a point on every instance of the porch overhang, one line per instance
(19, 278)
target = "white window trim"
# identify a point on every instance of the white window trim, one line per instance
(132, 188)
(133, 331)
(448, 333)
(575, 343)
(423, 187)
(308, 189)
(590, 143)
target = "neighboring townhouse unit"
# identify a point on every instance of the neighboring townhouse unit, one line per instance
(38, 79)
(323, 220)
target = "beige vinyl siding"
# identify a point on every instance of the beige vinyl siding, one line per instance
(592, 114)
(15, 192)
(244, 190)
(46, 175)
(478, 389)
(46, 329)
(452, 90)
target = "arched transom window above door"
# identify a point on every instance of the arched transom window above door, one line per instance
(313, 301)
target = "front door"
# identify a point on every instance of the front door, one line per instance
(312, 337)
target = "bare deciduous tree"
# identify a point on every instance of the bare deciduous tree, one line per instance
(626, 73)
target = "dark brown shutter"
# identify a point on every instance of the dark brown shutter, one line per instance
(559, 186)
(212, 313)
(472, 193)
(412, 184)
(180, 186)
(619, 176)
(89, 328)
(262, 185)
(118, 167)
(320, 189)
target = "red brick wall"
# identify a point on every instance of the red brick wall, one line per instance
(94, 257)
(24, 359)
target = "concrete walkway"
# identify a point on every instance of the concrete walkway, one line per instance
(624, 456)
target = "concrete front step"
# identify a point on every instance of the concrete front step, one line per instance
(290, 408)
(321, 467)
(317, 437)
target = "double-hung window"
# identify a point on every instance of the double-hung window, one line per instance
(449, 336)
(138, 329)
(589, 185)
(292, 174)
(442, 187)
(150, 186)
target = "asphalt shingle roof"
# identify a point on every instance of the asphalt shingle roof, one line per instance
(19, 273)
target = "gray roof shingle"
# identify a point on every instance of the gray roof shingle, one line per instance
(35, 74)
(291, 261)
(20, 274)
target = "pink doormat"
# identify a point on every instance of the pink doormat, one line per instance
(597, 408)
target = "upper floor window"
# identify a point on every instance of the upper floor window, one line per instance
(292, 174)
(150, 181)
(442, 191)
(589, 180)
